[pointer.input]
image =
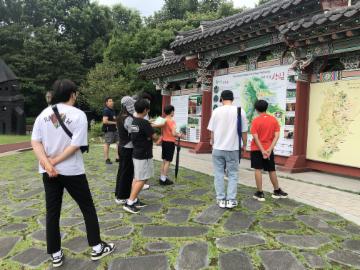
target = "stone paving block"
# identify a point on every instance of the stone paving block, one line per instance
(122, 246)
(179, 187)
(320, 225)
(173, 231)
(328, 216)
(152, 208)
(279, 260)
(72, 221)
(152, 262)
(239, 221)
(119, 232)
(198, 192)
(235, 261)
(314, 261)
(240, 241)
(186, 202)
(40, 235)
(6, 245)
(158, 246)
(151, 195)
(251, 204)
(77, 264)
(345, 257)
(353, 229)
(32, 257)
(353, 245)
(279, 225)
(304, 241)
(12, 227)
(78, 244)
(25, 213)
(193, 256)
(288, 203)
(110, 216)
(210, 215)
(28, 194)
(177, 215)
(141, 219)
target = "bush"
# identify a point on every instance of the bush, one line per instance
(96, 134)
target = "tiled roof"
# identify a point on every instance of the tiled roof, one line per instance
(321, 19)
(211, 28)
(167, 58)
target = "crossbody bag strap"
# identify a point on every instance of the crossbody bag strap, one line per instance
(61, 122)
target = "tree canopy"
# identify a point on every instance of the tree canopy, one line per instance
(96, 46)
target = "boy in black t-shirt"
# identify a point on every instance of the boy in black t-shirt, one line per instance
(142, 135)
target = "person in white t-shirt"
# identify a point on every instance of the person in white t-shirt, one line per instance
(223, 125)
(61, 164)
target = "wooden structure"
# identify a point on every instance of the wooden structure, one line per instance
(12, 116)
(318, 40)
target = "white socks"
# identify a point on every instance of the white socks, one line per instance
(130, 202)
(97, 248)
(56, 254)
(163, 178)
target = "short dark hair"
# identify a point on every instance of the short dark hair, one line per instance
(141, 105)
(107, 99)
(227, 95)
(146, 95)
(63, 89)
(169, 109)
(261, 105)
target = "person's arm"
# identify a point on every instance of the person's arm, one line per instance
(40, 154)
(68, 152)
(275, 140)
(158, 125)
(244, 129)
(258, 143)
(211, 138)
(244, 140)
(106, 121)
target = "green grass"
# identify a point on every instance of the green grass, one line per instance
(8, 139)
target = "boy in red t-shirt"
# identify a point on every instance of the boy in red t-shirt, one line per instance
(265, 130)
(169, 136)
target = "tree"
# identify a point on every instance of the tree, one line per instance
(262, 2)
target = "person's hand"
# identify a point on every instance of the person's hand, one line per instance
(243, 149)
(265, 154)
(52, 161)
(50, 169)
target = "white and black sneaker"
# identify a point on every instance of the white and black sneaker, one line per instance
(259, 195)
(221, 203)
(57, 261)
(279, 194)
(231, 204)
(139, 204)
(146, 187)
(106, 249)
(131, 208)
(120, 201)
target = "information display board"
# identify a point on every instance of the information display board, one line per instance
(188, 110)
(276, 85)
(334, 123)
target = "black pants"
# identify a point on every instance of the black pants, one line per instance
(78, 188)
(125, 174)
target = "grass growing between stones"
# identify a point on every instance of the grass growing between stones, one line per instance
(19, 176)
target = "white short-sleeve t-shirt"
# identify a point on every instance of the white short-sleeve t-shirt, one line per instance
(223, 123)
(48, 131)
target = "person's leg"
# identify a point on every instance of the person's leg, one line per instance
(117, 152)
(166, 167)
(232, 165)
(54, 190)
(106, 151)
(258, 179)
(219, 163)
(274, 180)
(125, 174)
(78, 188)
(137, 186)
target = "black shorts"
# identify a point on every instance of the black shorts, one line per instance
(168, 149)
(258, 162)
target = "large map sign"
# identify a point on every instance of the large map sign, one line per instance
(334, 123)
(272, 85)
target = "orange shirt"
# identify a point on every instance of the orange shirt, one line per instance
(167, 135)
(264, 126)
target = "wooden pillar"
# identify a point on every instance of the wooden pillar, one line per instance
(166, 100)
(204, 145)
(297, 162)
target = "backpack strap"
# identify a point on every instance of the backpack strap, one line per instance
(239, 129)
(61, 122)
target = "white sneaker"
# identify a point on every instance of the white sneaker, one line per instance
(231, 204)
(145, 187)
(221, 203)
(119, 201)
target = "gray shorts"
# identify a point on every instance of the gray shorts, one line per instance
(111, 137)
(143, 169)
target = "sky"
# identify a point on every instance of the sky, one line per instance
(148, 7)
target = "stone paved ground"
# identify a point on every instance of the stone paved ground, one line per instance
(180, 229)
